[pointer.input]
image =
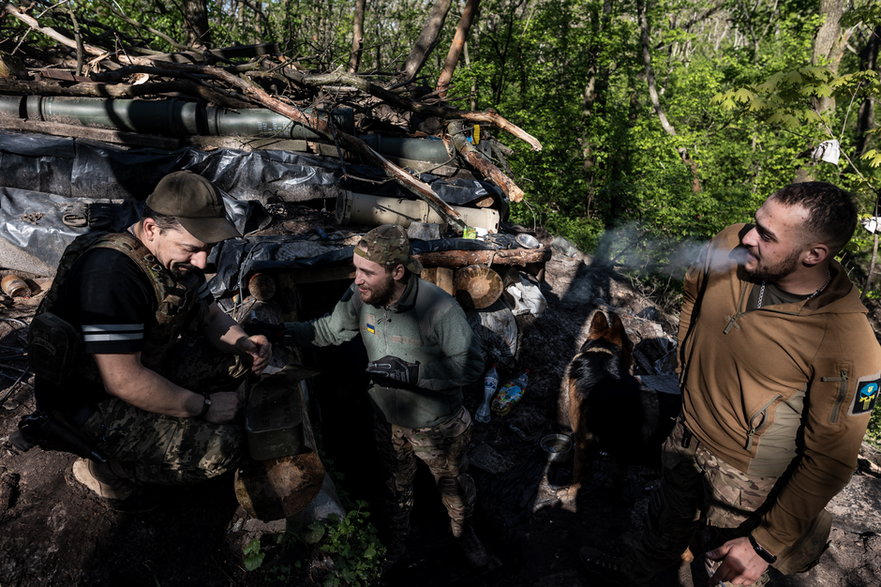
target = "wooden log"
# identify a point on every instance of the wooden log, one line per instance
(441, 277)
(459, 258)
(486, 167)
(222, 54)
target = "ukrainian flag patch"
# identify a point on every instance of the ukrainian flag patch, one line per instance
(867, 395)
(371, 328)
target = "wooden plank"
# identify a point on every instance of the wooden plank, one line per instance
(440, 276)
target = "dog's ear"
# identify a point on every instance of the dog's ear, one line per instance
(618, 336)
(617, 325)
(598, 325)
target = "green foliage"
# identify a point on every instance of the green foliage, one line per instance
(253, 555)
(873, 434)
(331, 552)
(356, 551)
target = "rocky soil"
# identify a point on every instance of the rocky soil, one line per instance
(53, 533)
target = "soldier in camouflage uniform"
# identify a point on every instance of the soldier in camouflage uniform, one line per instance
(422, 352)
(779, 370)
(152, 384)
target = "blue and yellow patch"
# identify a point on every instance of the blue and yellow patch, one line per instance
(867, 395)
(370, 328)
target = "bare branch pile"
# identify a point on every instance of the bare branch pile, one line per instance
(91, 61)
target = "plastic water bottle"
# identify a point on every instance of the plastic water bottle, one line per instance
(510, 394)
(490, 384)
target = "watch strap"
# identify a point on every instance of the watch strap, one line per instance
(764, 554)
(206, 405)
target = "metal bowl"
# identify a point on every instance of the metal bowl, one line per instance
(527, 241)
(557, 446)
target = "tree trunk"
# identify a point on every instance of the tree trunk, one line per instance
(357, 36)
(597, 75)
(653, 94)
(594, 95)
(427, 40)
(196, 23)
(830, 43)
(468, 14)
(874, 260)
(866, 117)
(472, 93)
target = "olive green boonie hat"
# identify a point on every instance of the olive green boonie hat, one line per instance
(388, 245)
(195, 203)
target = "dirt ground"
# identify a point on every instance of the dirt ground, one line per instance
(52, 533)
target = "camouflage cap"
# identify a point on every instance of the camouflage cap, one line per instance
(388, 245)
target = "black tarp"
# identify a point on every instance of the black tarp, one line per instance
(45, 177)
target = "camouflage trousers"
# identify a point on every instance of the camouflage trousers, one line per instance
(701, 492)
(152, 448)
(443, 449)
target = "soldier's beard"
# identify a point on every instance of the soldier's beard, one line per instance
(381, 296)
(774, 273)
(189, 274)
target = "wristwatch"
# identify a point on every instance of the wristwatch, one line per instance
(206, 405)
(764, 554)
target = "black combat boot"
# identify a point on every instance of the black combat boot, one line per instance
(473, 548)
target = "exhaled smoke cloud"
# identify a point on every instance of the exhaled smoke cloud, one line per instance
(632, 247)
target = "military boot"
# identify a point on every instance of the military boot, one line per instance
(473, 548)
(112, 485)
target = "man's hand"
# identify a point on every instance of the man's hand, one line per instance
(224, 406)
(740, 563)
(259, 348)
(393, 370)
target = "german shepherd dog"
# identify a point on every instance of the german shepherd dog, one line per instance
(604, 401)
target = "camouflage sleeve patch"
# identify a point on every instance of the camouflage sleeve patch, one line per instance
(866, 395)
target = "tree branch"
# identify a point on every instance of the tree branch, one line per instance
(653, 94)
(427, 40)
(468, 14)
(52, 33)
(322, 127)
(482, 164)
(341, 78)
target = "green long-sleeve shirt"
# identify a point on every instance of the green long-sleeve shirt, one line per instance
(427, 326)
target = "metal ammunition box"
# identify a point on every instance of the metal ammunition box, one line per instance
(274, 417)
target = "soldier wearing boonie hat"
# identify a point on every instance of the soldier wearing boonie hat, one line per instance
(422, 353)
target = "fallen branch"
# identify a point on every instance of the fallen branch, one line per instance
(52, 33)
(342, 78)
(322, 127)
(486, 167)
